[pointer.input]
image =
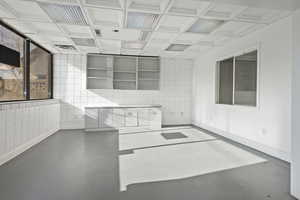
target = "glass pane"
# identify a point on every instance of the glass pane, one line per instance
(11, 66)
(226, 81)
(246, 79)
(40, 62)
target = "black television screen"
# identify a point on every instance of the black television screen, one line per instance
(9, 56)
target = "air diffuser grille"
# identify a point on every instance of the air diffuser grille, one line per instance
(68, 14)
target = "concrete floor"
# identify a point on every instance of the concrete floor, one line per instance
(73, 165)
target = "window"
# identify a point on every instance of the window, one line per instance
(25, 68)
(237, 80)
(40, 66)
(11, 65)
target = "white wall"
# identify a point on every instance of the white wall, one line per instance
(70, 87)
(295, 166)
(266, 127)
(25, 124)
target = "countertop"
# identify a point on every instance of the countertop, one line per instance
(125, 106)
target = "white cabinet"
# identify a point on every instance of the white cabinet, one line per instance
(91, 118)
(131, 117)
(115, 117)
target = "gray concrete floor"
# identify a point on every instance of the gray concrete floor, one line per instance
(73, 165)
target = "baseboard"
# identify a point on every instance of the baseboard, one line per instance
(250, 143)
(20, 149)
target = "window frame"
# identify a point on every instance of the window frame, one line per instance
(217, 78)
(26, 73)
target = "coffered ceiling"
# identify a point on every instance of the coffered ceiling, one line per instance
(176, 28)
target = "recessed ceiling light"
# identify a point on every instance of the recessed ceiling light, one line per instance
(178, 47)
(68, 14)
(205, 25)
(88, 42)
(137, 45)
(141, 20)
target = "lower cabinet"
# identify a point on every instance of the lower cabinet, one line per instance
(114, 118)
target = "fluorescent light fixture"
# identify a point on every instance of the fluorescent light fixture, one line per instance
(205, 26)
(178, 47)
(87, 42)
(137, 45)
(67, 14)
(141, 20)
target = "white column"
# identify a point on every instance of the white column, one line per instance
(295, 164)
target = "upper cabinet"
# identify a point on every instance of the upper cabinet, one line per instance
(123, 72)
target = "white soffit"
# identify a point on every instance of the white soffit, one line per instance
(28, 10)
(105, 17)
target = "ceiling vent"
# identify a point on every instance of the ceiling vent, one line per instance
(178, 47)
(65, 47)
(87, 42)
(67, 14)
(139, 20)
(205, 26)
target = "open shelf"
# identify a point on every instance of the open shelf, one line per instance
(123, 72)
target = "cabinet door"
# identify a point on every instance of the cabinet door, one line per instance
(119, 118)
(155, 118)
(131, 117)
(91, 118)
(143, 117)
(106, 118)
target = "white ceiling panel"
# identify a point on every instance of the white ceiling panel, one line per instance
(110, 45)
(28, 10)
(154, 6)
(259, 15)
(191, 38)
(88, 49)
(23, 27)
(223, 11)
(116, 4)
(188, 7)
(5, 12)
(46, 28)
(77, 31)
(234, 29)
(123, 34)
(162, 37)
(173, 23)
(130, 52)
(105, 17)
